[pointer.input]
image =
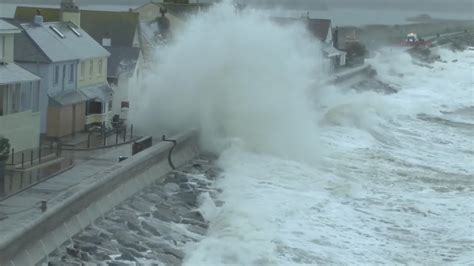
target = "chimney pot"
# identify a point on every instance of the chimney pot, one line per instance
(38, 20)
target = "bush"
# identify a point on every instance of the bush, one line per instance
(4, 148)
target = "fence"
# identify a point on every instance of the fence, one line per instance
(120, 134)
(32, 157)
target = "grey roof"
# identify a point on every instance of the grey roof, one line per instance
(12, 73)
(27, 51)
(331, 51)
(121, 60)
(68, 97)
(119, 26)
(56, 48)
(101, 92)
(7, 27)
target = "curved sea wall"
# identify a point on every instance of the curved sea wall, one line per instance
(61, 222)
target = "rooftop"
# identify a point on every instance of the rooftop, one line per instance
(6, 27)
(54, 42)
(122, 60)
(318, 27)
(120, 27)
(12, 73)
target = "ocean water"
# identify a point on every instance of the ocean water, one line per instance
(316, 174)
(394, 185)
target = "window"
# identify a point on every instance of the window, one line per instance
(56, 75)
(2, 39)
(15, 99)
(26, 97)
(100, 67)
(73, 29)
(35, 97)
(83, 69)
(93, 107)
(91, 67)
(64, 77)
(3, 99)
(58, 32)
(71, 73)
(109, 106)
(125, 105)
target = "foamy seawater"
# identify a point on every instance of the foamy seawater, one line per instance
(394, 185)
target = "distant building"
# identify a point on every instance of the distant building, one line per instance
(117, 32)
(159, 20)
(74, 91)
(123, 74)
(322, 30)
(19, 91)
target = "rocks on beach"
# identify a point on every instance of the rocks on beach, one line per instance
(152, 226)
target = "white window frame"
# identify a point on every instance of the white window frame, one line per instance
(83, 69)
(71, 73)
(100, 67)
(56, 75)
(91, 68)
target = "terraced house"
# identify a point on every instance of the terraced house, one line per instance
(74, 92)
(19, 90)
(117, 31)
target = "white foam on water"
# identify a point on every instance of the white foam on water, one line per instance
(236, 77)
(351, 178)
(391, 189)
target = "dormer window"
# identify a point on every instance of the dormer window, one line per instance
(73, 29)
(58, 32)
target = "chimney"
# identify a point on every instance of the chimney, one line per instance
(38, 19)
(106, 40)
(69, 11)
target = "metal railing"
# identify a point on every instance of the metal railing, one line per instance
(32, 157)
(122, 135)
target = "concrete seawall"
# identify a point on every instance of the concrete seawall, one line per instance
(57, 225)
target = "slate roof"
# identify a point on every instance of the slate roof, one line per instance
(121, 60)
(68, 97)
(12, 73)
(101, 92)
(7, 27)
(118, 26)
(319, 27)
(44, 45)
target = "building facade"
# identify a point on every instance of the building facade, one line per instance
(59, 52)
(118, 33)
(19, 96)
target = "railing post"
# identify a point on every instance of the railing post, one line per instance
(89, 139)
(31, 157)
(13, 156)
(116, 136)
(131, 132)
(124, 134)
(39, 156)
(22, 160)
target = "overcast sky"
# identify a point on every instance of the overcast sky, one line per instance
(438, 5)
(429, 5)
